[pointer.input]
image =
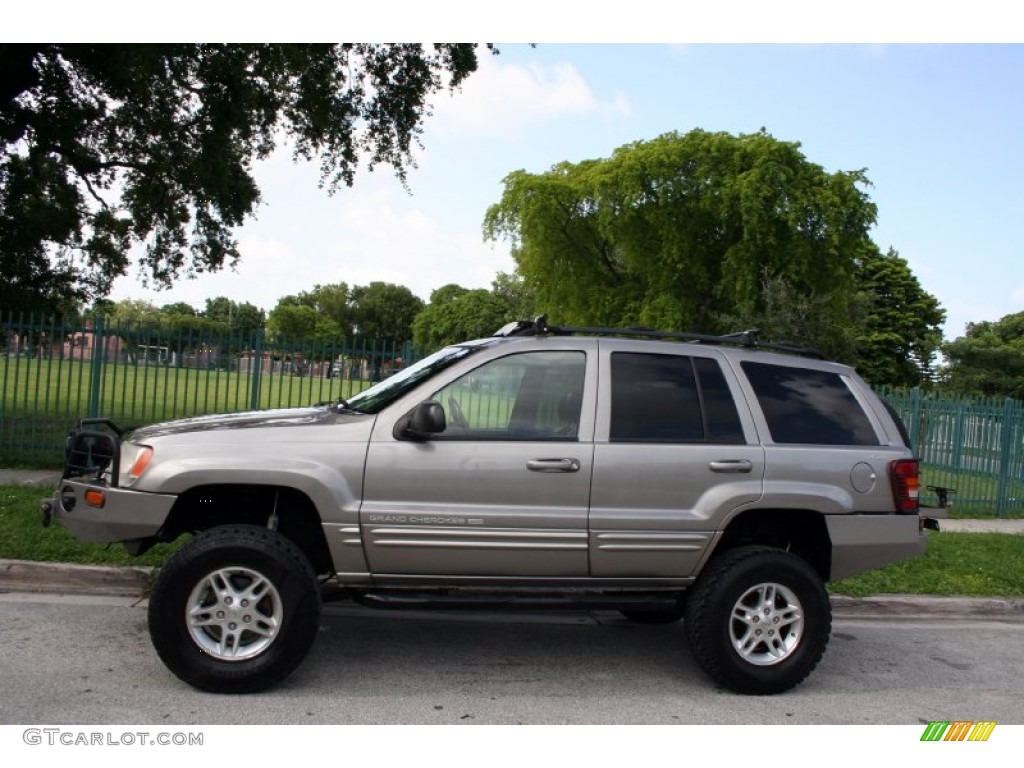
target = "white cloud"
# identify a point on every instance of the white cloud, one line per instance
(506, 100)
(377, 234)
(381, 239)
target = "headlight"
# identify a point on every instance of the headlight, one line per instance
(141, 461)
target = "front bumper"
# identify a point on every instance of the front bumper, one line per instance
(124, 514)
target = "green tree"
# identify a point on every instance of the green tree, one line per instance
(519, 298)
(333, 301)
(323, 314)
(454, 316)
(293, 320)
(788, 315)
(106, 146)
(100, 308)
(447, 293)
(680, 232)
(902, 328)
(135, 312)
(231, 315)
(179, 308)
(248, 316)
(385, 311)
(989, 359)
(891, 333)
(183, 324)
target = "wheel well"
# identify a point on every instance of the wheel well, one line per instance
(209, 506)
(800, 531)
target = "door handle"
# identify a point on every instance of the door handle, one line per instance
(553, 465)
(731, 465)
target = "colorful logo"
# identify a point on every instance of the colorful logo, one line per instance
(958, 730)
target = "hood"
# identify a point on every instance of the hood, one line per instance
(280, 417)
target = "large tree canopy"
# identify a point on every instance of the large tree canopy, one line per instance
(677, 231)
(714, 233)
(106, 146)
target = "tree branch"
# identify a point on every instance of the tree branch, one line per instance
(96, 197)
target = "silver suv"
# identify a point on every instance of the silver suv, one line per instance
(715, 479)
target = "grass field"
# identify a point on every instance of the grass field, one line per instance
(22, 536)
(979, 564)
(40, 400)
(974, 564)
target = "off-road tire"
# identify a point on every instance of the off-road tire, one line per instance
(199, 626)
(760, 590)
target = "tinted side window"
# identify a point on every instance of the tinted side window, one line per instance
(670, 399)
(723, 423)
(528, 396)
(807, 406)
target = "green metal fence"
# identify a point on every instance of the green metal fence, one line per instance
(975, 446)
(53, 372)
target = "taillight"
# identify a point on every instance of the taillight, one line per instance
(906, 485)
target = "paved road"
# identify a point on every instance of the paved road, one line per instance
(88, 659)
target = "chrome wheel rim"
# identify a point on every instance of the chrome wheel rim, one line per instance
(766, 624)
(234, 613)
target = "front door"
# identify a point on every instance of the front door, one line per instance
(503, 491)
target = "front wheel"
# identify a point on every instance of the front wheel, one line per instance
(758, 620)
(235, 610)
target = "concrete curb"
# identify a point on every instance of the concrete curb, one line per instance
(928, 607)
(27, 576)
(50, 578)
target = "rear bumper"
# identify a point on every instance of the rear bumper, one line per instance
(865, 542)
(125, 515)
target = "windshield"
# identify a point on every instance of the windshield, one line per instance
(380, 395)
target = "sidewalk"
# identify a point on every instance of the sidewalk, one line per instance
(40, 478)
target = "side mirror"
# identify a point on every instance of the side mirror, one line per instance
(421, 422)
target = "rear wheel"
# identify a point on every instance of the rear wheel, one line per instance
(235, 610)
(758, 620)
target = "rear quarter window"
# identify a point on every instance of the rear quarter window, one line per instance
(809, 406)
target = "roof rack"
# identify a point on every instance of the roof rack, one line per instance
(539, 326)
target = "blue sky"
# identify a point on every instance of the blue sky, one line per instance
(939, 129)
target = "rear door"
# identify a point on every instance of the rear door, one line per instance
(672, 453)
